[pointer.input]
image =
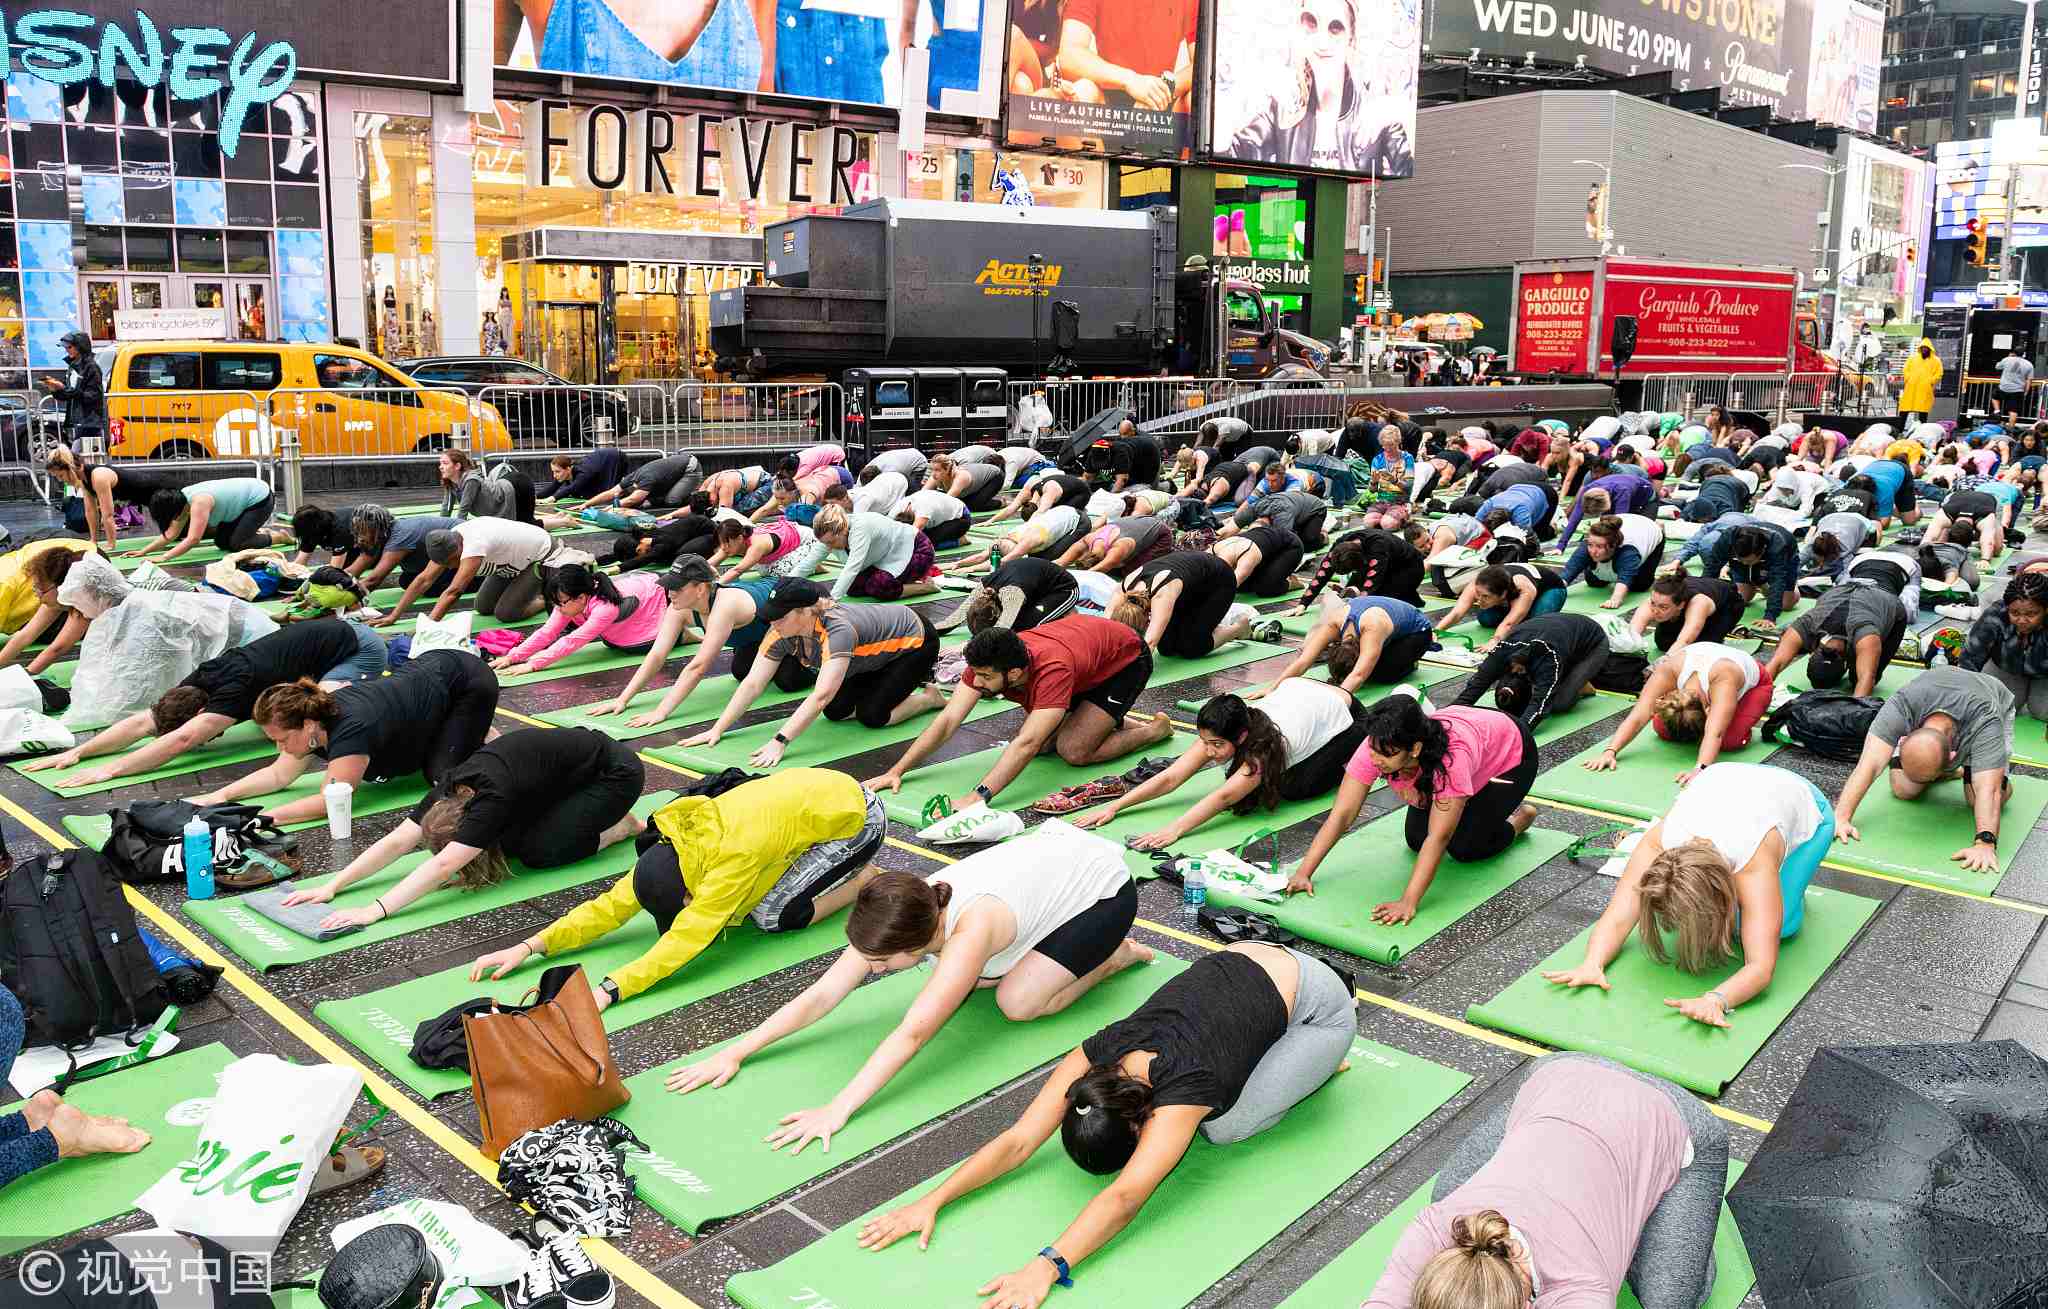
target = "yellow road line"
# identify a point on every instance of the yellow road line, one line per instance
(622, 1266)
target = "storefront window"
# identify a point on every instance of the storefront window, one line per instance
(1049, 179)
(395, 160)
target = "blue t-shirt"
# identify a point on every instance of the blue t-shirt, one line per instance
(1890, 475)
(2005, 493)
(232, 496)
(1406, 618)
(410, 533)
(1525, 503)
(1380, 464)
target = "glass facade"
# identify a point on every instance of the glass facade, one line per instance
(120, 205)
(395, 172)
(1946, 76)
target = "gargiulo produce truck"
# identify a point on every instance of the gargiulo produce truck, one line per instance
(1690, 318)
(899, 282)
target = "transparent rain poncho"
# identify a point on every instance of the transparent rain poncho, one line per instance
(143, 643)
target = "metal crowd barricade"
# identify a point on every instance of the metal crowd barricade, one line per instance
(700, 416)
(1074, 400)
(201, 432)
(1981, 395)
(559, 418)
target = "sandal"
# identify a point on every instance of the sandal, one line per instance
(347, 1166)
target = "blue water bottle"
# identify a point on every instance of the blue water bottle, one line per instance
(1194, 889)
(198, 859)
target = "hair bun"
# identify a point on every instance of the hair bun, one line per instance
(1486, 1232)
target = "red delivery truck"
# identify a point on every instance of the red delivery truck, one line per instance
(1690, 318)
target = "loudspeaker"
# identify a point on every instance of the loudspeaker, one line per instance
(1621, 341)
(1066, 325)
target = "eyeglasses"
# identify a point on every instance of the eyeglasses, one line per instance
(1337, 27)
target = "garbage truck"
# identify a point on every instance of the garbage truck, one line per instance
(1035, 290)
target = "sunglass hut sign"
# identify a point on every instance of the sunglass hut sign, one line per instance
(66, 48)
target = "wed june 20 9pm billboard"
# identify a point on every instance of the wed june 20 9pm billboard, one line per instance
(1327, 85)
(850, 51)
(1800, 58)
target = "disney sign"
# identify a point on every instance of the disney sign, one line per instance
(67, 48)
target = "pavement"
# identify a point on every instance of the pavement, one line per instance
(1930, 966)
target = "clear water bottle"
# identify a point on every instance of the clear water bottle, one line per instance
(198, 851)
(1194, 889)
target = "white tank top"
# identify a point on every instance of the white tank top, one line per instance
(1701, 656)
(1732, 806)
(1044, 877)
(1308, 714)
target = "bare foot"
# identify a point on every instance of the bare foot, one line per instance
(1128, 955)
(1162, 727)
(1524, 816)
(80, 1133)
(625, 829)
(36, 1111)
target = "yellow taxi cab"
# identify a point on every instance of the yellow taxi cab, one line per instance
(176, 399)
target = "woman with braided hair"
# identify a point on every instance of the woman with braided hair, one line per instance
(2008, 640)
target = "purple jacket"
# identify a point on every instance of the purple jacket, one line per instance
(1630, 493)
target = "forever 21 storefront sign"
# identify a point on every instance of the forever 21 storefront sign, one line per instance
(661, 152)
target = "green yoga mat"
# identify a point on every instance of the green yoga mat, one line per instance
(706, 1159)
(267, 945)
(381, 1023)
(1913, 839)
(1352, 1275)
(1214, 1211)
(597, 657)
(1371, 866)
(823, 742)
(1644, 783)
(702, 705)
(1424, 677)
(1632, 1024)
(1590, 710)
(1888, 682)
(240, 744)
(1039, 779)
(71, 1194)
(372, 798)
(60, 674)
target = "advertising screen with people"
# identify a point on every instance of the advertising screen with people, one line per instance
(1103, 74)
(1319, 84)
(845, 50)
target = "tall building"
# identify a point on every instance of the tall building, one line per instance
(1950, 67)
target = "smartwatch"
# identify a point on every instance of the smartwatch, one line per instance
(780, 739)
(610, 988)
(1988, 838)
(1059, 1264)
(985, 794)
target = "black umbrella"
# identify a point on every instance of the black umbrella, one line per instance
(1904, 1175)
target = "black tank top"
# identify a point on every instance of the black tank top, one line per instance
(1726, 617)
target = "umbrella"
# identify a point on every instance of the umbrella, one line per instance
(1484, 350)
(1904, 1175)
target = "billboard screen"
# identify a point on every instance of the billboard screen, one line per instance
(1841, 72)
(850, 51)
(1327, 85)
(1108, 75)
(1760, 52)
(1886, 208)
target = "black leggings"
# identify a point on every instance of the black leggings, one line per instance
(948, 533)
(1483, 830)
(790, 675)
(1274, 575)
(871, 697)
(1191, 631)
(245, 529)
(1323, 771)
(472, 703)
(1398, 657)
(1085, 942)
(1572, 681)
(522, 495)
(569, 831)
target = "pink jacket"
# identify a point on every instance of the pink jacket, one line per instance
(818, 456)
(554, 641)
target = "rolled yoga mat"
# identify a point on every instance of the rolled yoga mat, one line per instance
(1631, 1023)
(1217, 1208)
(167, 1097)
(380, 1023)
(265, 943)
(706, 1158)
(1352, 1275)
(1370, 867)
(1914, 839)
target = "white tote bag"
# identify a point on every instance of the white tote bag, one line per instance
(18, 689)
(271, 1124)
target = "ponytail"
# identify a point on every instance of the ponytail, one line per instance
(1399, 722)
(1255, 742)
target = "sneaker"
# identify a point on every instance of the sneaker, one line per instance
(579, 1281)
(539, 1286)
(1961, 613)
(1268, 631)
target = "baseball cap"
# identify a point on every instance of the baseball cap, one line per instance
(442, 545)
(789, 595)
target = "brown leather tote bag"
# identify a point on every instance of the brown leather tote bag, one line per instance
(535, 1064)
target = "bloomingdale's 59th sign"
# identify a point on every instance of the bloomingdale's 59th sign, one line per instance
(191, 63)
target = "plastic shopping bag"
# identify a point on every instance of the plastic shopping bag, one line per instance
(450, 633)
(18, 690)
(271, 1124)
(28, 731)
(975, 825)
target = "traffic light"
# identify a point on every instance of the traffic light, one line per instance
(1912, 252)
(1358, 288)
(1974, 241)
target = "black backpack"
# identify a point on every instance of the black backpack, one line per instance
(70, 951)
(147, 839)
(1832, 724)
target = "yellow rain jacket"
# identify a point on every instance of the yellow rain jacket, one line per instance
(732, 849)
(1921, 375)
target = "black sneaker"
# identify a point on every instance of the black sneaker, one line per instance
(579, 1281)
(539, 1286)
(1268, 631)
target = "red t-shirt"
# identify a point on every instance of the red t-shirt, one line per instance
(1073, 655)
(1144, 38)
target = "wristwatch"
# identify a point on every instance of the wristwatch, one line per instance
(610, 988)
(985, 794)
(1988, 838)
(1059, 1264)
(780, 739)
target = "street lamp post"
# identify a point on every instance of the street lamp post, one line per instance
(1606, 205)
(1037, 278)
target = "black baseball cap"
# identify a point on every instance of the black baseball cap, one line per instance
(790, 595)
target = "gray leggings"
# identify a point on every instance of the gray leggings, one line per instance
(1674, 1263)
(828, 864)
(509, 597)
(1307, 1054)
(2030, 694)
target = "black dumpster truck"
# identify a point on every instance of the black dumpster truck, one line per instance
(907, 282)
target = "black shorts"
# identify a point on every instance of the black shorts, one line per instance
(1085, 942)
(1116, 694)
